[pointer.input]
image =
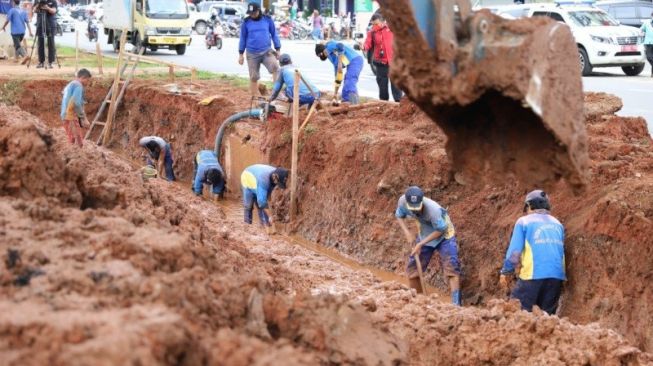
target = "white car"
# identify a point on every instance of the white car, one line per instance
(602, 41)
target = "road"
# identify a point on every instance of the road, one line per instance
(636, 92)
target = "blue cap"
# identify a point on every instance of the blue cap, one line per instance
(284, 59)
(414, 198)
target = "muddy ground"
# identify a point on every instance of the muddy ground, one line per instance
(97, 262)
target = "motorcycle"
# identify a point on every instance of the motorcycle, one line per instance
(214, 35)
(92, 30)
(286, 30)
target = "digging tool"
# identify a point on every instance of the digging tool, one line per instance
(507, 93)
(420, 273)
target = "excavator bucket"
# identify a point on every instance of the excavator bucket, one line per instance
(507, 93)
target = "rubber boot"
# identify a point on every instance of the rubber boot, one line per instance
(416, 284)
(354, 98)
(455, 298)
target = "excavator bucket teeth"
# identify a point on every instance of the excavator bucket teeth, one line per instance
(507, 93)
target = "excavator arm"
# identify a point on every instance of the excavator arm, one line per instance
(507, 93)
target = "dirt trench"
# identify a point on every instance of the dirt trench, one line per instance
(185, 282)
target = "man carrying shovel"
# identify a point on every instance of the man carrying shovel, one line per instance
(436, 232)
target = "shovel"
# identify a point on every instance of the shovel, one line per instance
(421, 275)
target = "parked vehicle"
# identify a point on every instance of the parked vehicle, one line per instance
(65, 23)
(214, 35)
(201, 13)
(631, 13)
(150, 24)
(285, 29)
(602, 42)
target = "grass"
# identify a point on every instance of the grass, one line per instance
(67, 58)
(310, 129)
(9, 91)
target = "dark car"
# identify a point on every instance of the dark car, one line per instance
(630, 13)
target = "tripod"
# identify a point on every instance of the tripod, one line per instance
(43, 21)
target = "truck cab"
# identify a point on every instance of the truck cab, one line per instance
(150, 24)
(601, 40)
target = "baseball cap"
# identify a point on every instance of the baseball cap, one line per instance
(414, 198)
(319, 48)
(282, 173)
(284, 59)
(536, 195)
(252, 7)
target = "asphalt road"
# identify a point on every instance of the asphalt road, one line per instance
(635, 91)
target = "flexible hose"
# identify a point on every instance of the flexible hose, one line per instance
(254, 113)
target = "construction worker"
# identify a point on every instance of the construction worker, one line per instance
(73, 116)
(257, 182)
(256, 33)
(436, 232)
(18, 19)
(154, 146)
(343, 57)
(287, 78)
(207, 170)
(537, 246)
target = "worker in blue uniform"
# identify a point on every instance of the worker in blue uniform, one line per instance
(343, 58)
(537, 247)
(436, 233)
(307, 92)
(258, 181)
(208, 171)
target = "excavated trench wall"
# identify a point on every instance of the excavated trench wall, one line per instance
(353, 169)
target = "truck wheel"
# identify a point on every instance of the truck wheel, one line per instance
(633, 70)
(585, 66)
(181, 49)
(200, 27)
(116, 43)
(139, 44)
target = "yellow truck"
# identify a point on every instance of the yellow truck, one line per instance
(150, 24)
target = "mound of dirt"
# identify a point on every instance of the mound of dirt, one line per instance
(608, 226)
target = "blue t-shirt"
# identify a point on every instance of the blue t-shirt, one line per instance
(17, 17)
(432, 218)
(5, 6)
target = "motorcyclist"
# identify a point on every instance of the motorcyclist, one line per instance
(91, 27)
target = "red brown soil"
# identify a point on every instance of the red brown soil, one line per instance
(513, 103)
(609, 226)
(147, 273)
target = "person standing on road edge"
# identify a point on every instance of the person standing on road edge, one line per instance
(46, 25)
(257, 182)
(647, 29)
(379, 41)
(155, 145)
(342, 57)
(537, 246)
(256, 34)
(287, 78)
(18, 19)
(436, 232)
(318, 24)
(73, 116)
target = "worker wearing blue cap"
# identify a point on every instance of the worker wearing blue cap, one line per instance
(537, 247)
(258, 181)
(307, 92)
(436, 232)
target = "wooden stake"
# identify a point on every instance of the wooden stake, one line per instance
(76, 50)
(171, 72)
(114, 93)
(310, 113)
(295, 147)
(193, 76)
(98, 52)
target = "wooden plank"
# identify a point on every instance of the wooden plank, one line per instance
(310, 113)
(98, 52)
(76, 50)
(295, 148)
(114, 91)
(153, 60)
(171, 72)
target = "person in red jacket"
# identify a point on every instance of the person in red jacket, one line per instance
(379, 40)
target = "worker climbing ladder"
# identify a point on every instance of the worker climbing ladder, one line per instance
(114, 97)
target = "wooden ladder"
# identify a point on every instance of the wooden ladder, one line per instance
(113, 97)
